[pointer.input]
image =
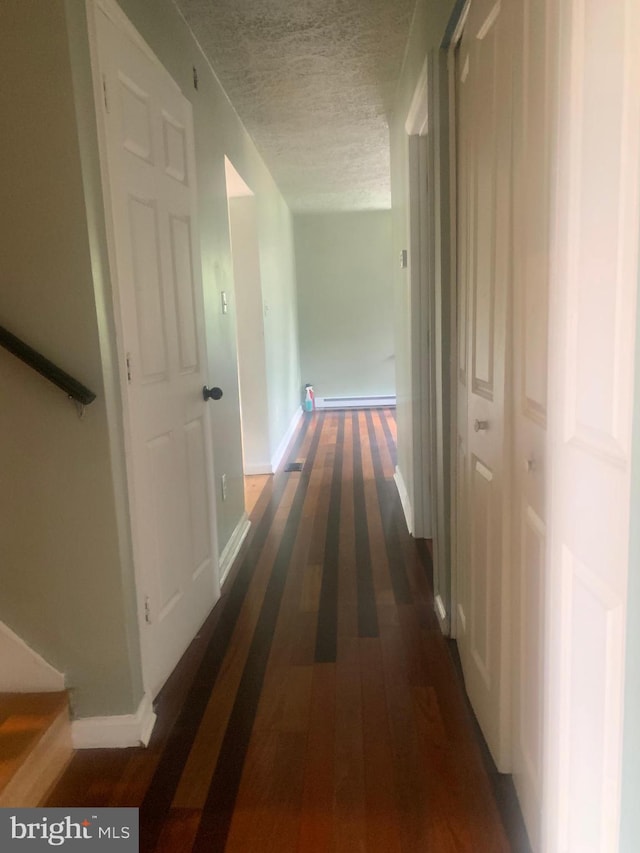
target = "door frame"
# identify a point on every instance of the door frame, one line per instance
(450, 45)
(416, 127)
(431, 146)
(264, 464)
(113, 305)
(430, 499)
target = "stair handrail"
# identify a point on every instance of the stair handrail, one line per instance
(72, 387)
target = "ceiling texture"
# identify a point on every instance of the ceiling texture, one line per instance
(313, 82)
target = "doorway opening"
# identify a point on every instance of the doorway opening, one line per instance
(250, 338)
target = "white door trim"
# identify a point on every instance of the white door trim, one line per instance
(453, 309)
(115, 14)
(419, 519)
(433, 511)
(420, 321)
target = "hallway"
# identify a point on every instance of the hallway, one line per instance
(319, 708)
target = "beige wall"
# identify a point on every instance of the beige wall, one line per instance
(66, 569)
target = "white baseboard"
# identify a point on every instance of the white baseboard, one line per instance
(371, 402)
(404, 499)
(22, 670)
(281, 449)
(258, 468)
(115, 732)
(231, 549)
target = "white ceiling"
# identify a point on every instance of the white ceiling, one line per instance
(313, 82)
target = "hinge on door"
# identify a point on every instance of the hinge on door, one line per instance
(128, 368)
(147, 610)
(104, 93)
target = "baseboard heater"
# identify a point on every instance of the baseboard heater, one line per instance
(379, 402)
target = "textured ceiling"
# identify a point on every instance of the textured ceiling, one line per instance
(313, 82)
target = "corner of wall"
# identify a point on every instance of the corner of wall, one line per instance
(280, 450)
(115, 732)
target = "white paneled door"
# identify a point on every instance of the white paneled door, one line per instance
(484, 233)
(548, 225)
(533, 85)
(592, 310)
(149, 167)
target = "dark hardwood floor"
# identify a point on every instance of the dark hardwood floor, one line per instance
(319, 708)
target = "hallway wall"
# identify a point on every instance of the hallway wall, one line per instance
(66, 567)
(427, 30)
(345, 302)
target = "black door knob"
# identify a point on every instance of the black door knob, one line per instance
(211, 393)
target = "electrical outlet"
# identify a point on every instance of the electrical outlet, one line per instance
(223, 484)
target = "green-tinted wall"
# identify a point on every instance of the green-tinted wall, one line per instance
(66, 581)
(345, 301)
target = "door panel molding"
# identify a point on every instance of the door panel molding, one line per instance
(483, 204)
(594, 276)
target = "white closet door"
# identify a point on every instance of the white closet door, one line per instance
(533, 50)
(484, 176)
(594, 280)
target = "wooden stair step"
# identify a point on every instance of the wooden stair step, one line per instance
(35, 745)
